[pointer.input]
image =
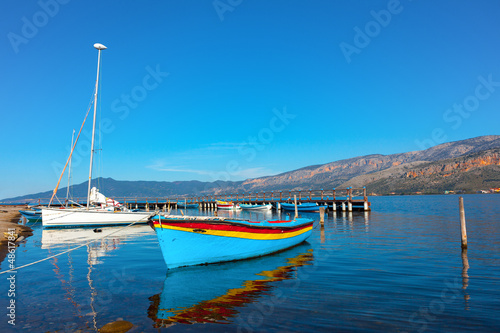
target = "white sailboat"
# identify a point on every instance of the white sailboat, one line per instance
(99, 210)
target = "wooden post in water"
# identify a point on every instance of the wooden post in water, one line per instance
(295, 201)
(365, 199)
(322, 215)
(462, 222)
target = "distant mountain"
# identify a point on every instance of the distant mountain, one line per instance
(340, 173)
(134, 189)
(469, 165)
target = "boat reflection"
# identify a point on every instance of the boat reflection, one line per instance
(103, 240)
(213, 294)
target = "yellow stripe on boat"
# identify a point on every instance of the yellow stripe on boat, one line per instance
(239, 234)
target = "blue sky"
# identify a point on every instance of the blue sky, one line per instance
(234, 89)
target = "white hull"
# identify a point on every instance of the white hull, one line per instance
(257, 207)
(54, 217)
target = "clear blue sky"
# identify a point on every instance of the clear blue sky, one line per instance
(230, 89)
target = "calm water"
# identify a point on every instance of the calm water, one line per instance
(398, 268)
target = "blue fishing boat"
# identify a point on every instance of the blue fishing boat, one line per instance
(304, 207)
(256, 207)
(197, 240)
(184, 204)
(31, 214)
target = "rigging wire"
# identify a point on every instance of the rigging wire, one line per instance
(54, 193)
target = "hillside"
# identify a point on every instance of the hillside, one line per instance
(470, 165)
(340, 173)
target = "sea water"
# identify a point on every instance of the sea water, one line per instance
(398, 268)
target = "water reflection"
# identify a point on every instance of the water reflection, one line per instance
(213, 294)
(98, 242)
(350, 221)
(103, 240)
(465, 277)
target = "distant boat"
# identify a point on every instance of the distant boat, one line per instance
(256, 207)
(304, 207)
(197, 240)
(31, 214)
(184, 204)
(104, 211)
(227, 205)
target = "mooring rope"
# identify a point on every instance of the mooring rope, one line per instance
(56, 255)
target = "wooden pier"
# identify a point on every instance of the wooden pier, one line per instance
(350, 199)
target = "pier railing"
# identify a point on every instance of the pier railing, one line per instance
(356, 197)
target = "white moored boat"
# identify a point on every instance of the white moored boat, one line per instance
(72, 217)
(256, 207)
(100, 210)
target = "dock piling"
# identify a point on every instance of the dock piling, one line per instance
(295, 201)
(463, 227)
(322, 215)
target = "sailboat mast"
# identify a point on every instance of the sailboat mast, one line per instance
(98, 47)
(69, 170)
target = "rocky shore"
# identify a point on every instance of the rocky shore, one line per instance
(9, 218)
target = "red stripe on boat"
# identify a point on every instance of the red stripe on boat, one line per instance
(227, 227)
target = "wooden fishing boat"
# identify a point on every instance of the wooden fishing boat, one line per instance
(197, 240)
(256, 207)
(304, 207)
(227, 205)
(31, 214)
(184, 204)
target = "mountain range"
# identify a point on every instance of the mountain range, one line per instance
(467, 165)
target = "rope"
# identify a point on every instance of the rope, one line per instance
(70, 250)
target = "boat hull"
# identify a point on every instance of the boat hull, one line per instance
(303, 207)
(197, 241)
(53, 217)
(223, 205)
(31, 214)
(256, 207)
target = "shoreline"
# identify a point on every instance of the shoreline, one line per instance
(9, 217)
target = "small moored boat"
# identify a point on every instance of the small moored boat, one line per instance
(30, 215)
(304, 207)
(227, 205)
(197, 240)
(184, 204)
(256, 207)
